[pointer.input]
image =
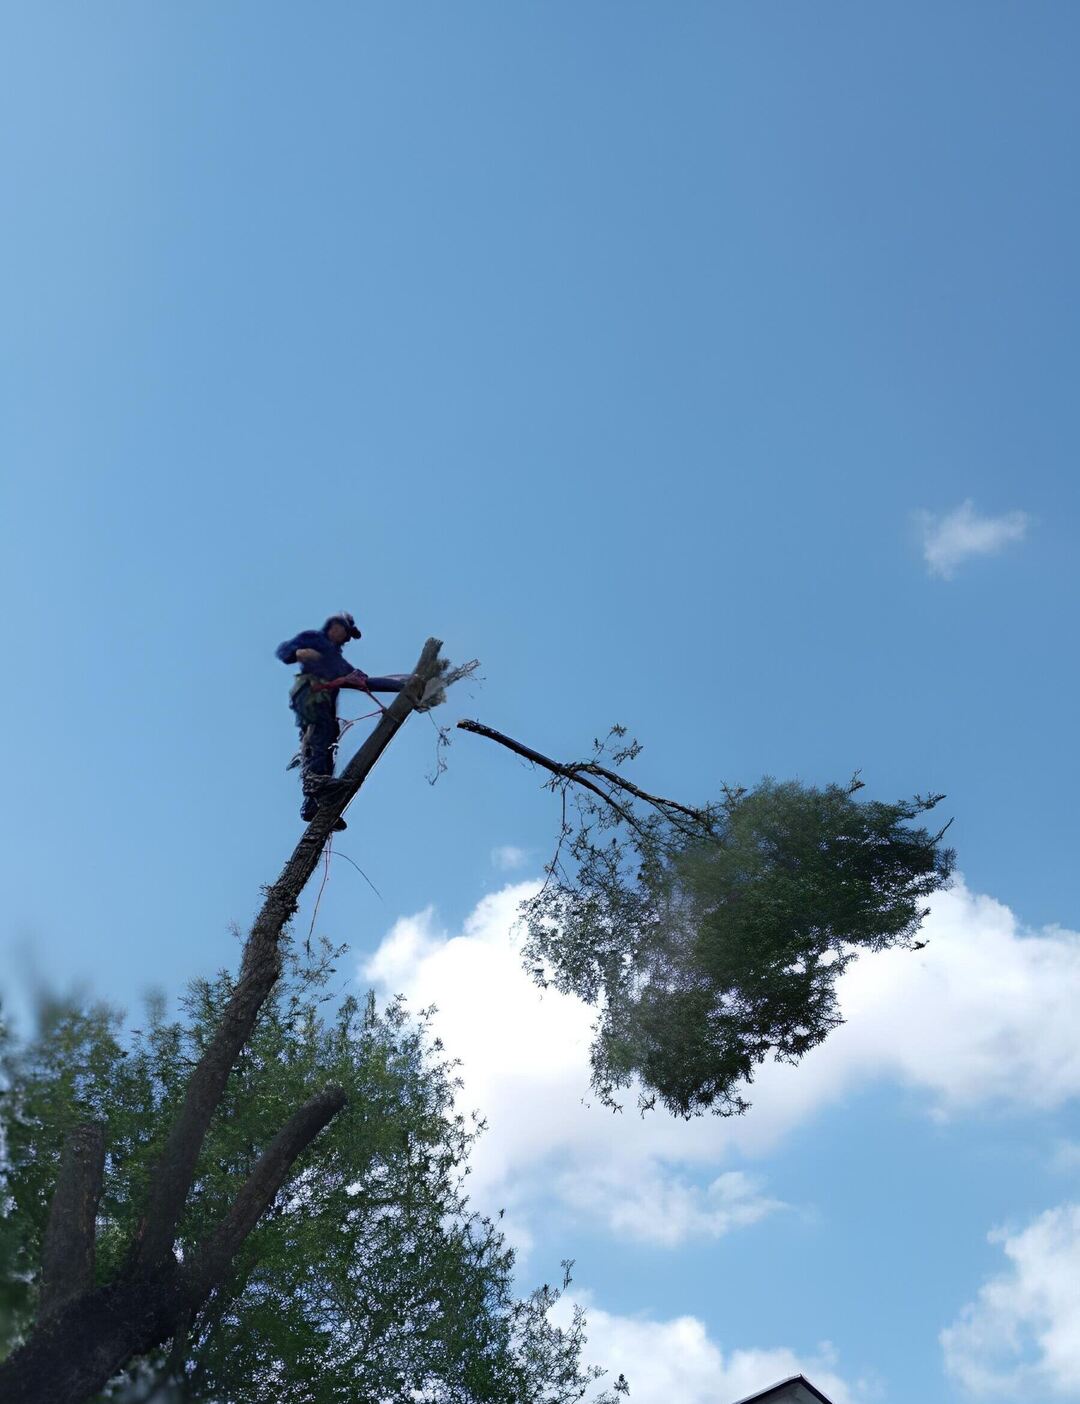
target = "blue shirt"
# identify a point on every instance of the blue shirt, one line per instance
(330, 664)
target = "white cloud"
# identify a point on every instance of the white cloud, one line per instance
(642, 1203)
(985, 1015)
(673, 1360)
(406, 949)
(953, 537)
(1022, 1333)
(508, 858)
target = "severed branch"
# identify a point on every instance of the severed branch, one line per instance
(581, 773)
(700, 816)
(259, 971)
(565, 772)
(68, 1257)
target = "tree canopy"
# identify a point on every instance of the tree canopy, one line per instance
(369, 1279)
(711, 937)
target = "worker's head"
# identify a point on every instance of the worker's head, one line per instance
(340, 627)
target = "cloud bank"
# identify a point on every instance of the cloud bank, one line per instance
(985, 1015)
(675, 1360)
(1021, 1335)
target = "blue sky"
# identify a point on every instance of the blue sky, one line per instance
(649, 353)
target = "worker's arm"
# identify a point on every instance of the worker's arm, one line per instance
(299, 650)
(356, 679)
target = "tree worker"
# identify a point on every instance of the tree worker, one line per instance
(313, 698)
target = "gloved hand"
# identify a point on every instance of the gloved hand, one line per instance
(355, 679)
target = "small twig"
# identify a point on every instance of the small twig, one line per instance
(657, 801)
(360, 870)
(564, 831)
(442, 744)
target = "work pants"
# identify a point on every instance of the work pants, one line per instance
(316, 716)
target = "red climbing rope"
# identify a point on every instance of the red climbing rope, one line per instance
(349, 681)
(327, 855)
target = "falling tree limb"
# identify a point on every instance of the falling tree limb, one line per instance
(259, 971)
(68, 1256)
(580, 773)
(566, 772)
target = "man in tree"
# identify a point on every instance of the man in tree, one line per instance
(324, 670)
(99, 1311)
(709, 938)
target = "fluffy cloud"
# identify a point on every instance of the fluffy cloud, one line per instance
(676, 1360)
(641, 1202)
(985, 1015)
(956, 536)
(508, 858)
(1022, 1333)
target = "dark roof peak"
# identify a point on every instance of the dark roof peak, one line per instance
(796, 1389)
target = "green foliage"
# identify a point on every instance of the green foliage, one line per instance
(65, 1078)
(368, 1280)
(712, 938)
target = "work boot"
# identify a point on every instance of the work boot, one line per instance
(311, 808)
(325, 787)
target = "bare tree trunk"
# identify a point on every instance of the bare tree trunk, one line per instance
(67, 1267)
(86, 1334)
(212, 1261)
(259, 972)
(72, 1356)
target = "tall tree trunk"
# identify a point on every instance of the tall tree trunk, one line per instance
(86, 1334)
(74, 1353)
(67, 1266)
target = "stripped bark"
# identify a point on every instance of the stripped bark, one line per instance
(85, 1334)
